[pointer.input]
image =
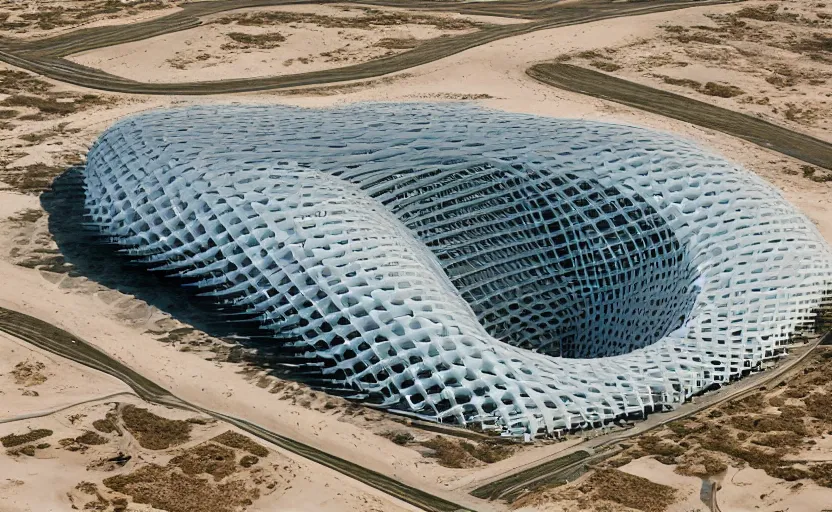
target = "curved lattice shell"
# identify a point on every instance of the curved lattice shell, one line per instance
(469, 265)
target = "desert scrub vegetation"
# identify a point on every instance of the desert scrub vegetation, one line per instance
(91, 438)
(55, 15)
(399, 43)
(721, 90)
(165, 488)
(606, 489)
(26, 91)
(605, 65)
(107, 425)
(19, 82)
(681, 82)
(12, 440)
(369, 19)
(760, 430)
(154, 432)
(751, 41)
(53, 104)
(29, 373)
(452, 453)
(208, 458)
(629, 490)
(260, 41)
(241, 442)
(401, 438)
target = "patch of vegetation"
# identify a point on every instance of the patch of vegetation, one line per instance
(369, 20)
(721, 440)
(721, 90)
(63, 15)
(15, 82)
(241, 442)
(106, 425)
(208, 458)
(701, 464)
(682, 82)
(27, 216)
(462, 454)
(800, 115)
(591, 54)
(449, 453)
(655, 445)
(764, 13)
(51, 104)
(28, 450)
(249, 460)
(44, 135)
(675, 29)
(401, 438)
(819, 405)
(779, 440)
(818, 43)
(392, 43)
(87, 488)
(779, 80)
(28, 373)
(605, 65)
(486, 451)
(261, 41)
(178, 335)
(154, 432)
(166, 489)
(698, 37)
(12, 440)
(90, 438)
(768, 423)
(629, 490)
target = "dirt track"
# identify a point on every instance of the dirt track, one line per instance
(46, 56)
(765, 134)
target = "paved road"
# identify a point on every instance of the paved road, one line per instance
(46, 56)
(552, 470)
(765, 134)
(57, 341)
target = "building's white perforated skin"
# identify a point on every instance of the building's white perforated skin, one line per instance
(468, 265)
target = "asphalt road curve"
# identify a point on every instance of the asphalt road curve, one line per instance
(768, 135)
(46, 56)
(57, 341)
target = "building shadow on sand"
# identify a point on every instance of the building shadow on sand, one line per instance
(92, 256)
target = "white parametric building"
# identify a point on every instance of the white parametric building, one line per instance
(468, 265)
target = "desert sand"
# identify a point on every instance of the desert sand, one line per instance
(59, 474)
(32, 19)
(138, 334)
(310, 38)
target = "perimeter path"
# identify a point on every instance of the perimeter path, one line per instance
(57, 341)
(567, 465)
(768, 135)
(46, 56)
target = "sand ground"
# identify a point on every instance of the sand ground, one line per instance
(33, 19)
(130, 329)
(764, 54)
(329, 36)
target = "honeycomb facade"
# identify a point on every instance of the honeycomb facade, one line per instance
(466, 265)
